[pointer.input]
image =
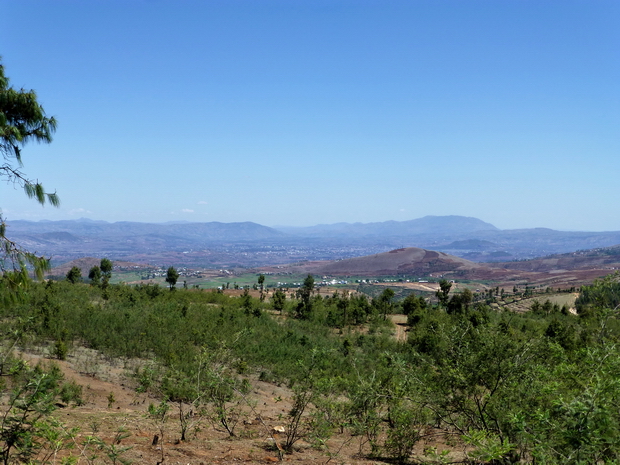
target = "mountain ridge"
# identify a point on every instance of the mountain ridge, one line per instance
(250, 244)
(427, 224)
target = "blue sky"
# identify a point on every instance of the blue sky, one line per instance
(302, 112)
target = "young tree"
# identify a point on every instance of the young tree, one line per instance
(22, 120)
(384, 302)
(26, 415)
(94, 275)
(74, 275)
(459, 303)
(106, 271)
(171, 277)
(246, 302)
(414, 307)
(443, 292)
(261, 285)
(278, 299)
(304, 293)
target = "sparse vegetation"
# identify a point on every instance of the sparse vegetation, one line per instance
(534, 387)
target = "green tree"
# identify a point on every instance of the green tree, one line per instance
(342, 304)
(459, 303)
(95, 275)
(384, 302)
(74, 275)
(106, 271)
(602, 293)
(443, 292)
(171, 277)
(304, 294)
(22, 120)
(26, 415)
(414, 307)
(547, 307)
(261, 285)
(278, 299)
(246, 302)
(359, 308)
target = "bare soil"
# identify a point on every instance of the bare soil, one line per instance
(524, 305)
(112, 403)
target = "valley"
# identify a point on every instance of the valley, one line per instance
(249, 245)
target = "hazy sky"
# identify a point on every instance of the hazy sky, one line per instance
(299, 112)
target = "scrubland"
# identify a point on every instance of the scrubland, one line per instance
(117, 373)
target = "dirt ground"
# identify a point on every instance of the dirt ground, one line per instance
(400, 323)
(560, 299)
(112, 403)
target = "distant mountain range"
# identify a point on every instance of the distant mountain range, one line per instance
(249, 244)
(436, 226)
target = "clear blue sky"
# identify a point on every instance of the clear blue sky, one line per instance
(299, 112)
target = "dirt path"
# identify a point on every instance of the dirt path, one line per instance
(400, 321)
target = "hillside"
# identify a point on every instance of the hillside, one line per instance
(562, 271)
(411, 260)
(86, 263)
(557, 271)
(194, 377)
(607, 258)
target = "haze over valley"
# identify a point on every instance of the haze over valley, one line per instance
(461, 247)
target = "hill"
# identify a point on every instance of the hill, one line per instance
(206, 232)
(556, 271)
(132, 241)
(606, 258)
(86, 263)
(410, 261)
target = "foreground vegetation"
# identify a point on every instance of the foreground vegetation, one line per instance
(540, 387)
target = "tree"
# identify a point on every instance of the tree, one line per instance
(442, 293)
(171, 277)
(384, 302)
(106, 271)
(459, 303)
(74, 275)
(94, 275)
(278, 300)
(26, 423)
(22, 120)
(414, 307)
(602, 293)
(246, 302)
(261, 284)
(304, 293)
